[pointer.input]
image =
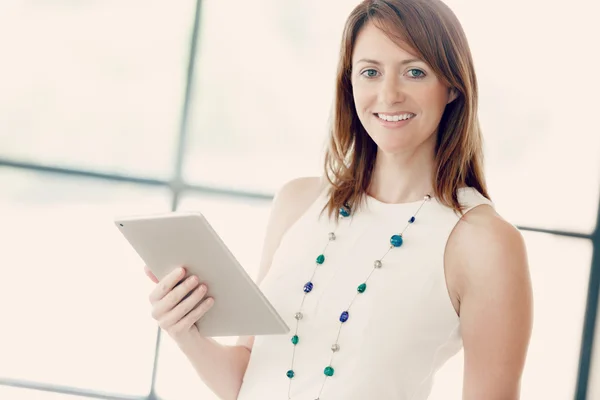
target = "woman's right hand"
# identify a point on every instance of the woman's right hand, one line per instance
(175, 315)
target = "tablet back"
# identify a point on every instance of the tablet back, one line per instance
(167, 241)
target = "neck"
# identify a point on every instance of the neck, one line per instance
(402, 178)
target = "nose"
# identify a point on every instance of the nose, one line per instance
(391, 91)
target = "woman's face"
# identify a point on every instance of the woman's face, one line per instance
(398, 99)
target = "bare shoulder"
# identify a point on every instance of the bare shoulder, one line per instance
(292, 200)
(484, 245)
(487, 264)
(289, 203)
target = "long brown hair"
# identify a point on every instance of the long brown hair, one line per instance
(435, 34)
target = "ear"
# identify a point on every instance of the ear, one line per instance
(452, 95)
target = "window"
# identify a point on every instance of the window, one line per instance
(7, 392)
(594, 389)
(96, 85)
(73, 292)
(264, 92)
(542, 161)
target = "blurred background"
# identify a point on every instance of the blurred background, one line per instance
(110, 108)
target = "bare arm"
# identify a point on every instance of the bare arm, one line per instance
(222, 367)
(219, 366)
(496, 305)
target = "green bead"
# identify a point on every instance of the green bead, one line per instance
(321, 259)
(290, 374)
(328, 371)
(362, 287)
(295, 339)
(396, 240)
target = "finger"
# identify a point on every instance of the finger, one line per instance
(166, 284)
(194, 315)
(150, 275)
(185, 306)
(174, 297)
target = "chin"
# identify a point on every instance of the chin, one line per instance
(400, 141)
(391, 150)
(388, 144)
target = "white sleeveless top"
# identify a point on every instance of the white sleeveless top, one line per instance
(400, 331)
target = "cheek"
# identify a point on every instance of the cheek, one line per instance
(363, 99)
(434, 99)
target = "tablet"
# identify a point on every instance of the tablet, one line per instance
(167, 241)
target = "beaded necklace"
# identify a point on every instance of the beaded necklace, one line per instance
(395, 242)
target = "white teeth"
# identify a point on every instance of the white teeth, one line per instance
(395, 118)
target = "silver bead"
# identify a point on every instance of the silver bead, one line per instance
(377, 264)
(331, 236)
(335, 348)
(427, 197)
(298, 316)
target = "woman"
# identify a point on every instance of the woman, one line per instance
(396, 259)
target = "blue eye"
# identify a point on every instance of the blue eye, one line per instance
(370, 73)
(419, 74)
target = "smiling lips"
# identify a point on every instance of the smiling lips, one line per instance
(403, 116)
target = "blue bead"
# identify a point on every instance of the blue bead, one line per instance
(396, 240)
(411, 220)
(308, 287)
(344, 212)
(344, 316)
(290, 374)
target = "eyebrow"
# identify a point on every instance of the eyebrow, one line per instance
(370, 61)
